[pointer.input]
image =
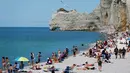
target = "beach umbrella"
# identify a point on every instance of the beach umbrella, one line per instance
(24, 59)
(128, 38)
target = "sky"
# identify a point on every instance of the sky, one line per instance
(37, 13)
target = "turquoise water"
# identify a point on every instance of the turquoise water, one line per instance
(15, 42)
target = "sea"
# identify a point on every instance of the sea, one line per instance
(21, 41)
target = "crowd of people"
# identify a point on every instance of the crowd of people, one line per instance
(120, 52)
(11, 68)
(57, 57)
(102, 50)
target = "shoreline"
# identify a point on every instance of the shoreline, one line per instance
(90, 45)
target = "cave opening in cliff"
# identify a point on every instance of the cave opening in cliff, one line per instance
(55, 29)
(118, 1)
(106, 16)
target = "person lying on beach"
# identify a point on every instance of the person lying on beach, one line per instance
(86, 66)
(37, 66)
(70, 68)
(85, 54)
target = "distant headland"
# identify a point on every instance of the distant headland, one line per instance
(108, 16)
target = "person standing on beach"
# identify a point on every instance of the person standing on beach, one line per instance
(74, 52)
(123, 52)
(67, 52)
(116, 52)
(104, 53)
(7, 62)
(32, 58)
(76, 49)
(90, 52)
(39, 57)
(3, 63)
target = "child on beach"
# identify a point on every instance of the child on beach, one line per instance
(99, 65)
(29, 63)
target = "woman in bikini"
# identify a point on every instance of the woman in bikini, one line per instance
(3, 63)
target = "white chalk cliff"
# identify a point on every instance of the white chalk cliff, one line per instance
(110, 14)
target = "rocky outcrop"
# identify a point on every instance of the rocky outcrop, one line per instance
(111, 14)
(74, 20)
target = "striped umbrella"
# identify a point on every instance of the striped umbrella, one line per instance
(24, 59)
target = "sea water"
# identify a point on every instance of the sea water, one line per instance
(20, 41)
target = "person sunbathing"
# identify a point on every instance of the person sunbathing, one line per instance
(34, 67)
(37, 66)
(69, 68)
(86, 66)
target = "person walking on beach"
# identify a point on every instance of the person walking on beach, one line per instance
(123, 52)
(120, 52)
(116, 52)
(32, 58)
(39, 57)
(99, 65)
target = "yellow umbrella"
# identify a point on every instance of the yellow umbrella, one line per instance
(21, 59)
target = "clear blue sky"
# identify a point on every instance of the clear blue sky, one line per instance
(37, 13)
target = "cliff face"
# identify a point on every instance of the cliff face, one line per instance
(110, 14)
